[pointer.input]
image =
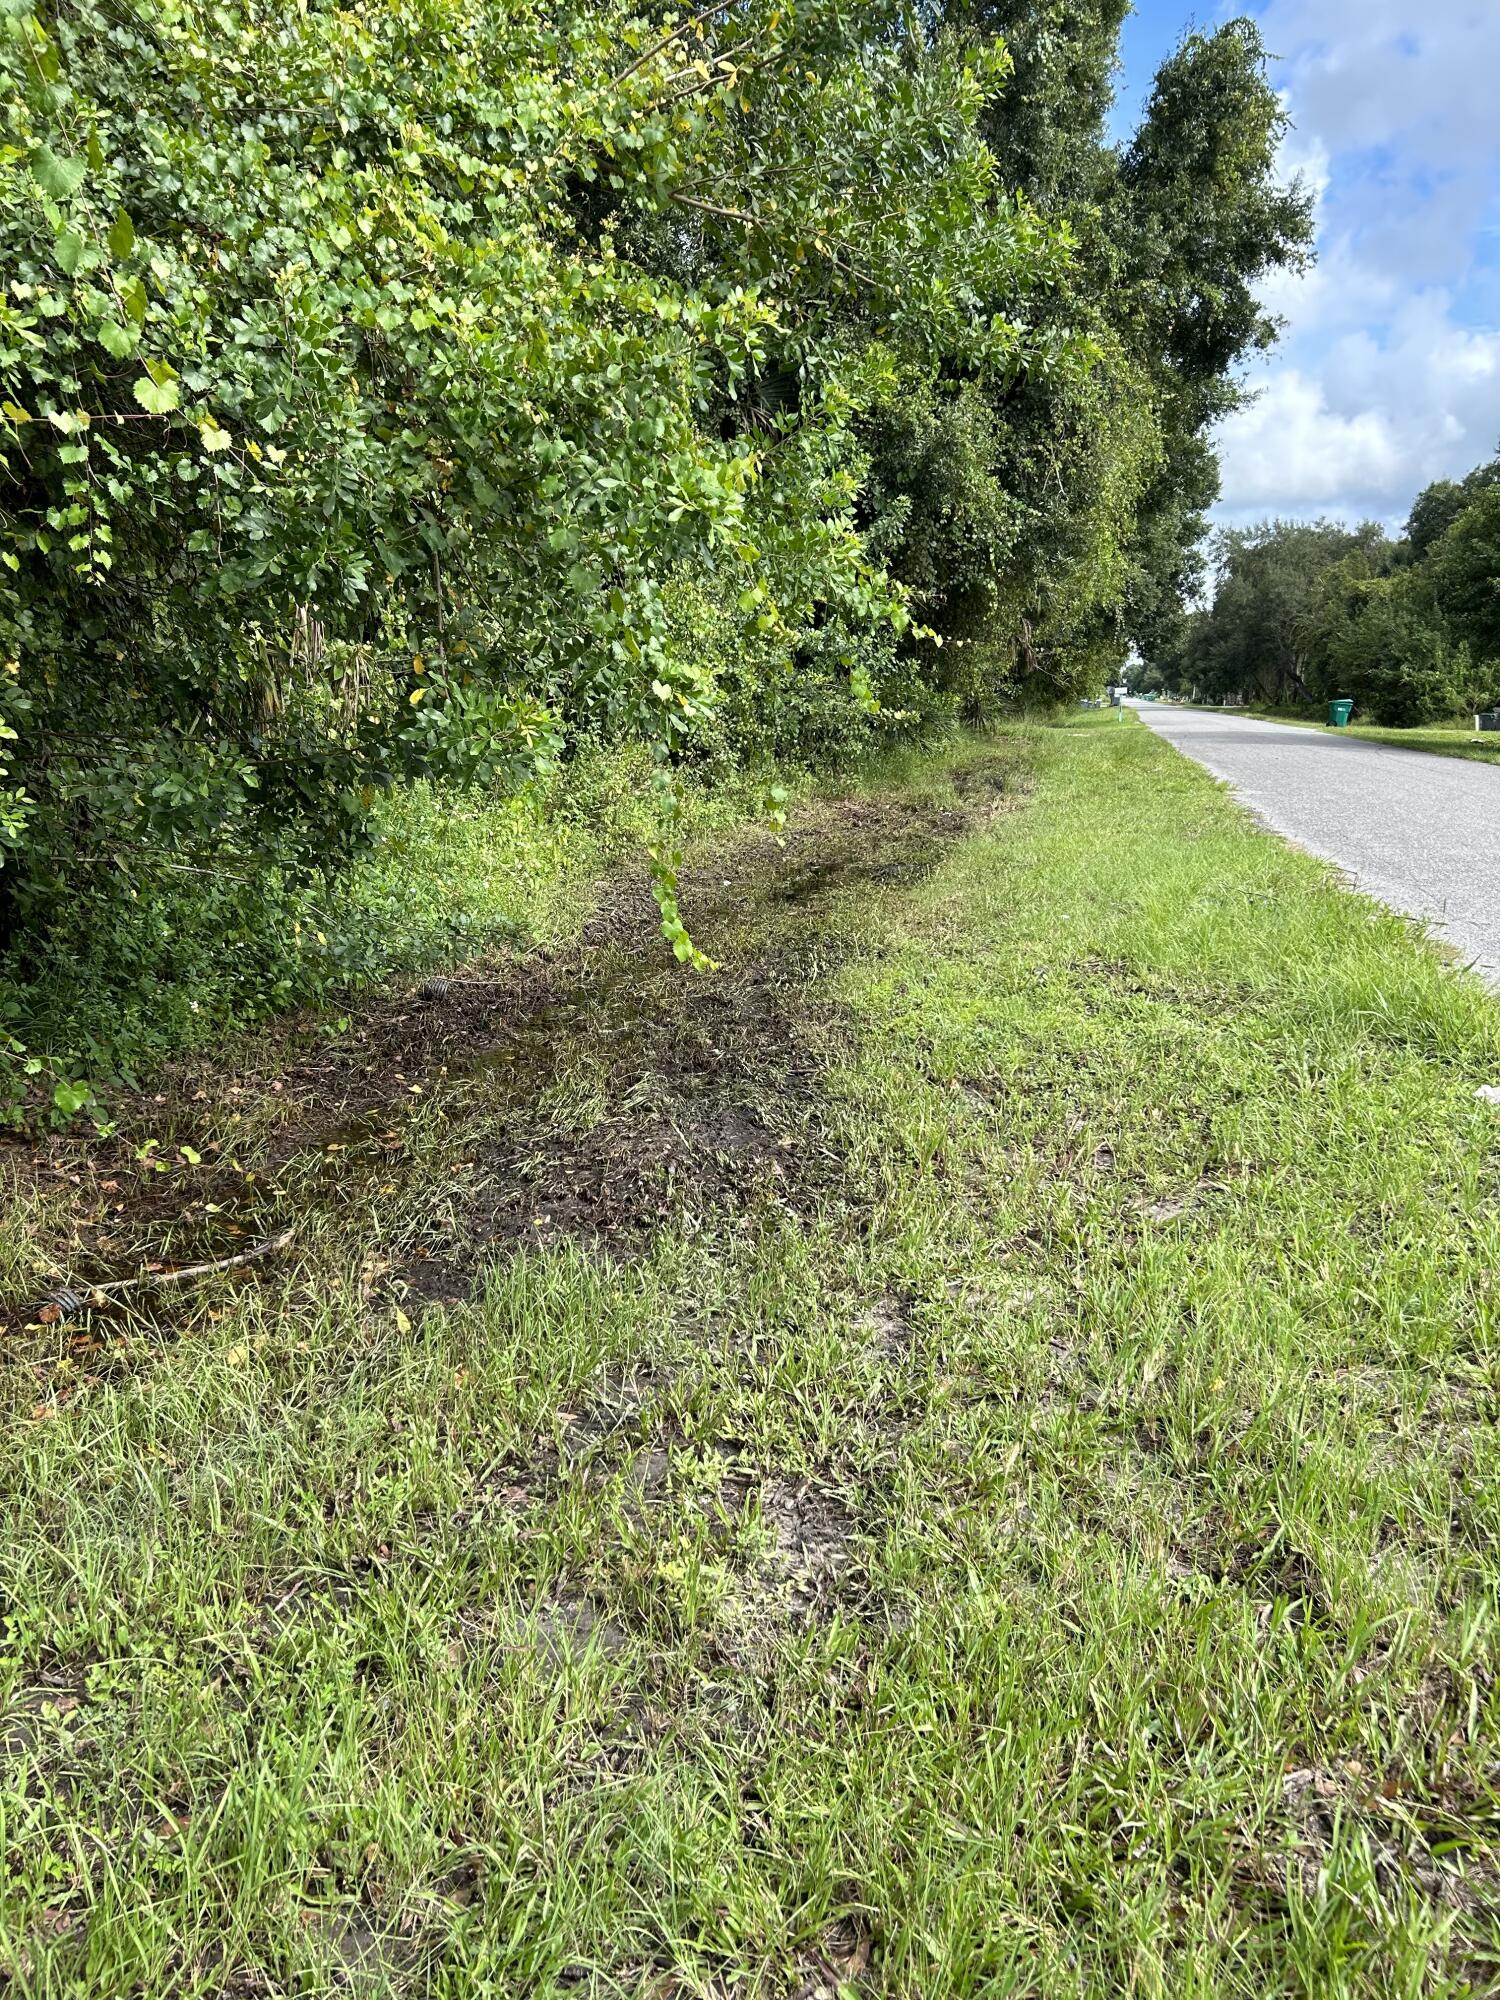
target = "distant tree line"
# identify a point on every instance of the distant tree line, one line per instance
(1312, 611)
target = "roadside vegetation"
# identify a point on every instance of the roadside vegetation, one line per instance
(1304, 613)
(1458, 740)
(430, 396)
(951, 1455)
(449, 875)
(1453, 739)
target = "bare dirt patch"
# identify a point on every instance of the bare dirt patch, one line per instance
(571, 1625)
(810, 1531)
(832, 1970)
(37, 1715)
(592, 1092)
(885, 1328)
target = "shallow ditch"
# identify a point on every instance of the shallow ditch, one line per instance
(592, 1093)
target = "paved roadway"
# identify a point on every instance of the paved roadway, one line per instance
(1420, 832)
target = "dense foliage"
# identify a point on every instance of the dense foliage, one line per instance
(416, 391)
(1061, 519)
(1409, 628)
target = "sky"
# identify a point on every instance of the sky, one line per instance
(1388, 374)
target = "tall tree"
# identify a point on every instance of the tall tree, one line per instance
(1047, 128)
(1438, 506)
(1208, 220)
(1095, 483)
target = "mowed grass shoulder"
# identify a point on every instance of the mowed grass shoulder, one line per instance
(1455, 739)
(955, 1456)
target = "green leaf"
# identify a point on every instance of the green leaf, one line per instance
(68, 250)
(136, 302)
(54, 175)
(121, 236)
(120, 340)
(160, 398)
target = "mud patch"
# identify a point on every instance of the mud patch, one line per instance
(702, 1095)
(39, 1717)
(884, 1330)
(837, 1964)
(570, 1625)
(810, 1532)
(800, 1568)
(611, 1410)
(628, 1094)
(1416, 1844)
(363, 1959)
(703, 1101)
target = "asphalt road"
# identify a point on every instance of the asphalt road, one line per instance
(1420, 832)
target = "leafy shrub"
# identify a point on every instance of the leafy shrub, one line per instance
(408, 395)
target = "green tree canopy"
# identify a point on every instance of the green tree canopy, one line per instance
(413, 390)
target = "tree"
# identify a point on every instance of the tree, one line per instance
(1465, 574)
(1046, 129)
(1304, 612)
(1438, 506)
(370, 378)
(1276, 598)
(1208, 221)
(1094, 483)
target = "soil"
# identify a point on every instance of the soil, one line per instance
(702, 1096)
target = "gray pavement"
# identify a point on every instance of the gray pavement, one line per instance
(1420, 832)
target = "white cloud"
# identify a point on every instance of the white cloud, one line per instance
(1389, 373)
(1290, 453)
(1379, 73)
(1364, 432)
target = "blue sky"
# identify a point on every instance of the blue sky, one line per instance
(1389, 373)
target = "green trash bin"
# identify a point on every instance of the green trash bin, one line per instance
(1339, 713)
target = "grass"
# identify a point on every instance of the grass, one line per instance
(1446, 739)
(1003, 1502)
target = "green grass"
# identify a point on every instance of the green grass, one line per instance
(1050, 1549)
(1445, 739)
(1454, 742)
